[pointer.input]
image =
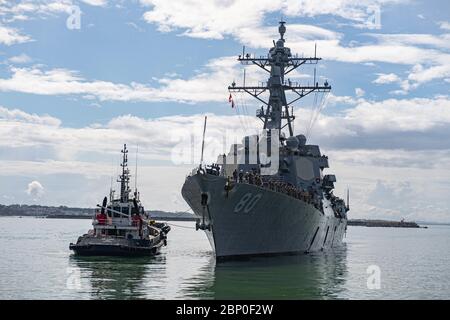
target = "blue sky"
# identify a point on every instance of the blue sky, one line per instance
(145, 72)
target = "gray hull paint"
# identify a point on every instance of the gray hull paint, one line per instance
(276, 224)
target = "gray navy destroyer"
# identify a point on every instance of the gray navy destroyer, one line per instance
(121, 227)
(248, 209)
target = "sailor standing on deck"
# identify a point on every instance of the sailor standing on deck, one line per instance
(101, 217)
(137, 222)
(241, 176)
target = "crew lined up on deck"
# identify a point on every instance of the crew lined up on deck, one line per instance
(255, 178)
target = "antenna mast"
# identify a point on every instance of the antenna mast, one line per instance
(348, 199)
(111, 192)
(203, 142)
(124, 178)
(136, 170)
(278, 64)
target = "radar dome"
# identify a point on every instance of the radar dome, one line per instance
(301, 140)
(280, 43)
(292, 143)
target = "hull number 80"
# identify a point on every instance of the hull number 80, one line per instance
(247, 203)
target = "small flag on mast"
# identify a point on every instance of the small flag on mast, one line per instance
(230, 99)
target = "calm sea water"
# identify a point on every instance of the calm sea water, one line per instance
(35, 263)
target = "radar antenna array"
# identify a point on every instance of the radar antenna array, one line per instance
(278, 64)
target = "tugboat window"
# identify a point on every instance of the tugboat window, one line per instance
(116, 213)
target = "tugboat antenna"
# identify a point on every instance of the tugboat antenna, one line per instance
(203, 142)
(111, 190)
(348, 199)
(136, 170)
(124, 178)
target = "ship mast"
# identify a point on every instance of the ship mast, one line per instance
(124, 178)
(278, 63)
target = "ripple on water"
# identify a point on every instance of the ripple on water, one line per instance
(36, 264)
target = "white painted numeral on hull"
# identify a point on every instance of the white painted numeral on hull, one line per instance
(247, 203)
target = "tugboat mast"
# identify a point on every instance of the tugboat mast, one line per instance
(124, 178)
(278, 63)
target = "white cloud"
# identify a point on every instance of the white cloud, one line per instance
(206, 19)
(218, 19)
(417, 76)
(17, 115)
(444, 25)
(359, 92)
(421, 75)
(22, 10)
(159, 186)
(36, 8)
(384, 78)
(20, 59)
(10, 36)
(346, 100)
(27, 9)
(211, 20)
(389, 53)
(400, 198)
(29, 131)
(208, 85)
(248, 28)
(392, 115)
(438, 41)
(98, 3)
(135, 26)
(407, 124)
(396, 141)
(35, 189)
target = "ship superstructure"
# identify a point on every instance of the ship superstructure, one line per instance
(269, 194)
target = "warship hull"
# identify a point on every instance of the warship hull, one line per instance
(250, 220)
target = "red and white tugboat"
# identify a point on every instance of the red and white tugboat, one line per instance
(122, 227)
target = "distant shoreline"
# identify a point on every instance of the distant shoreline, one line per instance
(161, 218)
(82, 217)
(63, 212)
(353, 222)
(383, 223)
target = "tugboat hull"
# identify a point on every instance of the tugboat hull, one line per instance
(115, 250)
(88, 245)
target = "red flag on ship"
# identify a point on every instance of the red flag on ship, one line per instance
(230, 99)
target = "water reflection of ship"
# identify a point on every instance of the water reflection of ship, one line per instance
(314, 276)
(117, 278)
